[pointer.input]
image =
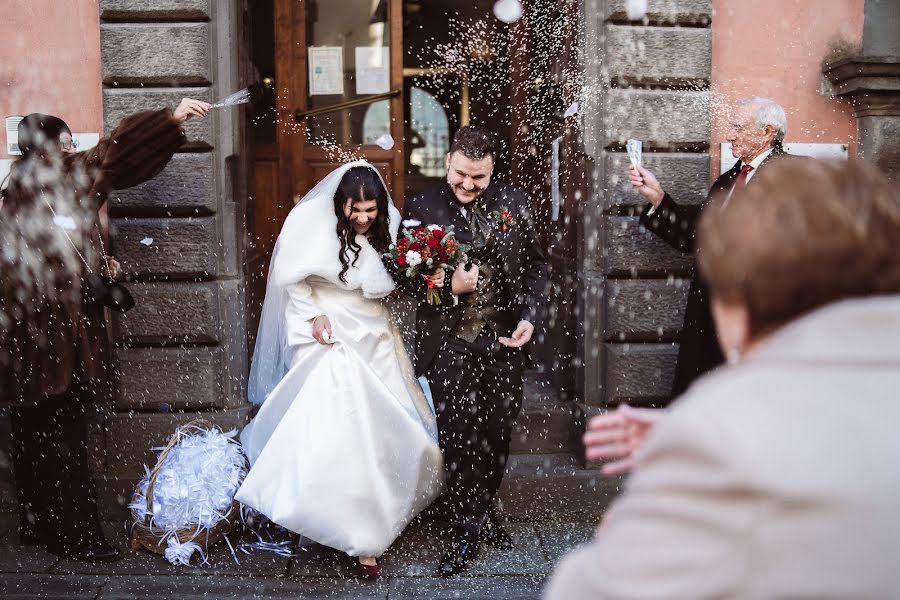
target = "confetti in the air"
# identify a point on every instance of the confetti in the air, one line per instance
(508, 11)
(636, 9)
(572, 110)
(147, 241)
(385, 141)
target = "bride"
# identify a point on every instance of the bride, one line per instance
(344, 448)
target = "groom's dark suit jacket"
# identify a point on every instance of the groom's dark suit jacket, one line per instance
(676, 224)
(524, 270)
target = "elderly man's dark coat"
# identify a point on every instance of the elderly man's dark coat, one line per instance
(676, 224)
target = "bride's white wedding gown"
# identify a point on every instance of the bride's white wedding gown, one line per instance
(344, 450)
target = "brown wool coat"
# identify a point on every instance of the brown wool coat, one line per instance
(66, 343)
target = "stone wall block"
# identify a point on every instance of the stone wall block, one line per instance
(131, 435)
(684, 176)
(692, 12)
(185, 187)
(143, 53)
(177, 248)
(660, 119)
(169, 10)
(640, 373)
(174, 378)
(645, 309)
(674, 56)
(119, 103)
(633, 251)
(180, 313)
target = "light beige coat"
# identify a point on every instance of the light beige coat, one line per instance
(775, 478)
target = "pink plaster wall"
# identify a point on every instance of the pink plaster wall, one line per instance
(50, 62)
(774, 48)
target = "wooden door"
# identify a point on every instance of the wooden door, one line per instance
(323, 124)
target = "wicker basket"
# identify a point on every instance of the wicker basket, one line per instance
(155, 539)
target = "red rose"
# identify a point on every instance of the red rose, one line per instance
(417, 247)
(434, 243)
(439, 233)
(401, 260)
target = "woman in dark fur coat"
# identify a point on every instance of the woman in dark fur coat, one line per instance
(54, 355)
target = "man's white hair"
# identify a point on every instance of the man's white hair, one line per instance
(768, 112)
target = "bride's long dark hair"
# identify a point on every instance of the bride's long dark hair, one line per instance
(358, 185)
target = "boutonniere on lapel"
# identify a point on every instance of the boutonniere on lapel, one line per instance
(503, 218)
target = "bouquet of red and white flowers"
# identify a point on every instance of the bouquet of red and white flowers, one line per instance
(421, 250)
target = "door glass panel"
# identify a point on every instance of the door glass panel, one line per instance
(349, 59)
(430, 135)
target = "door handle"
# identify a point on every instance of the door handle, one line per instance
(305, 114)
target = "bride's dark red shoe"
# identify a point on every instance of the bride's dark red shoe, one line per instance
(369, 571)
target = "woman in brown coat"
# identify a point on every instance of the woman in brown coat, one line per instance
(53, 346)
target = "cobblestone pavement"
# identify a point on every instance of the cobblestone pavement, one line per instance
(408, 570)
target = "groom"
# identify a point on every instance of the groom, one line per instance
(472, 347)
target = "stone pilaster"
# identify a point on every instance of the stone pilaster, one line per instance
(647, 81)
(871, 81)
(181, 353)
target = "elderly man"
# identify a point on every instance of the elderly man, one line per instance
(757, 132)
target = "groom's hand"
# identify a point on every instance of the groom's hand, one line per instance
(520, 337)
(464, 281)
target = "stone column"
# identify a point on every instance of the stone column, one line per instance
(181, 353)
(872, 83)
(647, 81)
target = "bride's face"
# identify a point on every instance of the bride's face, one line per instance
(361, 213)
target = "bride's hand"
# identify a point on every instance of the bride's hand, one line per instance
(321, 325)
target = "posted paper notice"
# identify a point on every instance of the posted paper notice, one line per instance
(326, 70)
(373, 70)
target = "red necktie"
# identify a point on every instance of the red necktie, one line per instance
(742, 176)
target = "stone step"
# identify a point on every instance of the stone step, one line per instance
(554, 487)
(543, 426)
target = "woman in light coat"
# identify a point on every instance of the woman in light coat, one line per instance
(774, 476)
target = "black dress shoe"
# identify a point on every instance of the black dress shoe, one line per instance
(495, 536)
(100, 552)
(463, 551)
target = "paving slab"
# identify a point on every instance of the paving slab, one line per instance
(418, 552)
(315, 560)
(28, 586)
(525, 558)
(219, 559)
(467, 588)
(557, 539)
(15, 558)
(216, 588)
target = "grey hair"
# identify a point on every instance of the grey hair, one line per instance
(768, 112)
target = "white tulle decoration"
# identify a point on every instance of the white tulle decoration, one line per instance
(194, 488)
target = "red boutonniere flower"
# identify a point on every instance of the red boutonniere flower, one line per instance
(503, 218)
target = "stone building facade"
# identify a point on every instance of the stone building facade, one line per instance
(182, 353)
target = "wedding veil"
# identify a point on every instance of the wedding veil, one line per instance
(308, 245)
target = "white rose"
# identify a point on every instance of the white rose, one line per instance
(413, 258)
(411, 223)
(432, 227)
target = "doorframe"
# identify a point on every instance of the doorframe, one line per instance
(295, 154)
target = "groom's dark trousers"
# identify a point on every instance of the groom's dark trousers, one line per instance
(477, 390)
